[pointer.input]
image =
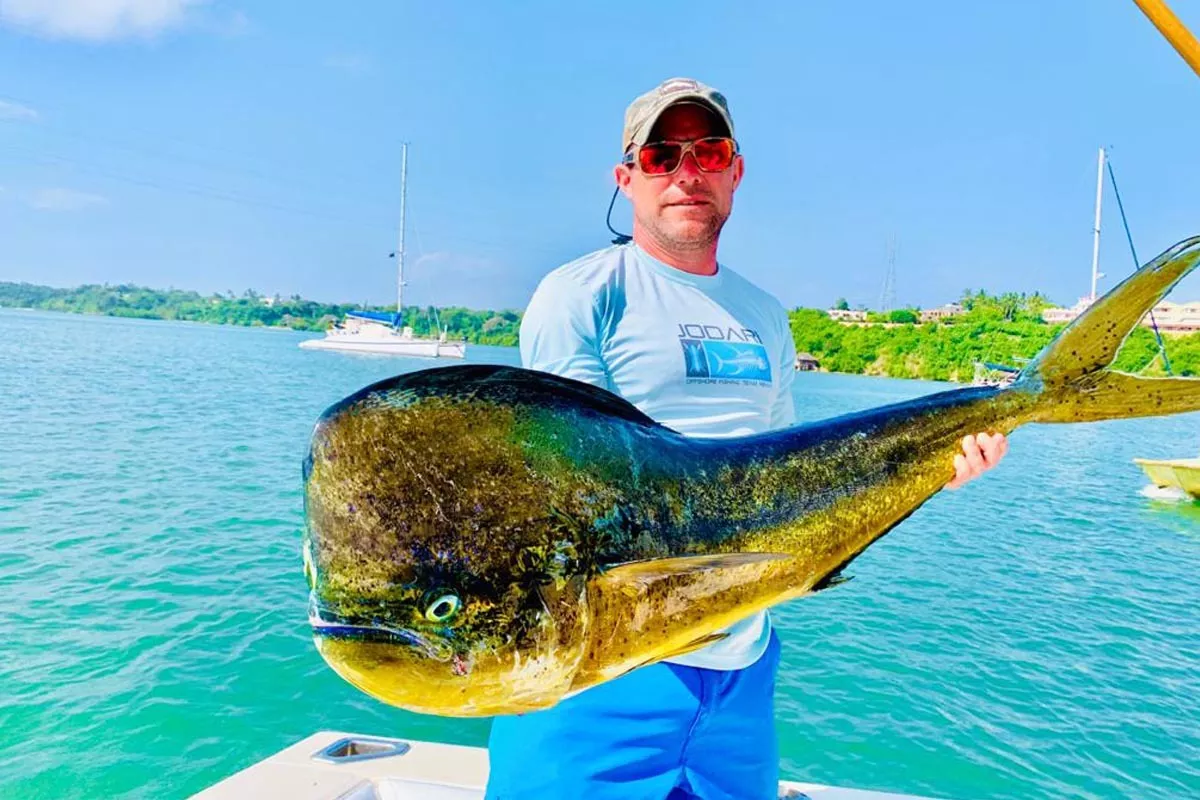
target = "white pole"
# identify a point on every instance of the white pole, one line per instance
(1096, 230)
(400, 250)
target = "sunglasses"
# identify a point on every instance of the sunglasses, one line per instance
(712, 154)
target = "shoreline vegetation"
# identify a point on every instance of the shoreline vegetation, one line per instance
(1003, 329)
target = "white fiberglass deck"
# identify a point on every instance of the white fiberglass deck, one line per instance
(333, 765)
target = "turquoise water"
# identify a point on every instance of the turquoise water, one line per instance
(1035, 635)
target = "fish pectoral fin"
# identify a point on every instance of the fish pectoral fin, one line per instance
(703, 641)
(715, 571)
(687, 565)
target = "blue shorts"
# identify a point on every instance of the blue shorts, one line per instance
(661, 731)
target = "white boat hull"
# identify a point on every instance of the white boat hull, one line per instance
(399, 347)
(333, 765)
(358, 335)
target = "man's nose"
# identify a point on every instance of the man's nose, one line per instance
(689, 170)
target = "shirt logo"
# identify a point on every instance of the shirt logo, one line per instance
(720, 354)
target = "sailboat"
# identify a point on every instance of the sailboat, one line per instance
(1180, 475)
(382, 332)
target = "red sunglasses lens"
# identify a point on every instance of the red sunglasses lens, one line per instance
(713, 155)
(660, 158)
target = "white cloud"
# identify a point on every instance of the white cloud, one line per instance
(349, 62)
(65, 200)
(94, 20)
(16, 110)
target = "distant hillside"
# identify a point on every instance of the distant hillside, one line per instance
(1000, 329)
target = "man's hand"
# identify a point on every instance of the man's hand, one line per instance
(980, 453)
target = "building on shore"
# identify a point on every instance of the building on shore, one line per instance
(1181, 318)
(1176, 318)
(1054, 316)
(846, 315)
(849, 317)
(941, 312)
(806, 362)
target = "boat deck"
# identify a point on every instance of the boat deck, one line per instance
(336, 765)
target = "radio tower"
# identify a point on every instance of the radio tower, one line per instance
(887, 297)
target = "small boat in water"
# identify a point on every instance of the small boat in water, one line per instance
(1182, 474)
(377, 332)
(380, 331)
(333, 765)
(989, 374)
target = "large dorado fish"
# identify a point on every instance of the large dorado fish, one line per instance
(487, 540)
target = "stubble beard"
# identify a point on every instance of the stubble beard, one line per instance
(667, 238)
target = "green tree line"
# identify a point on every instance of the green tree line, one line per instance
(1004, 329)
(251, 308)
(999, 329)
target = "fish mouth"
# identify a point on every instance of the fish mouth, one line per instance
(328, 624)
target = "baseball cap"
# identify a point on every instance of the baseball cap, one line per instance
(643, 112)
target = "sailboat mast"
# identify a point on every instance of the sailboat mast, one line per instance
(1096, 230)
(400, 248)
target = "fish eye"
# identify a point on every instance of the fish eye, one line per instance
(443, 608)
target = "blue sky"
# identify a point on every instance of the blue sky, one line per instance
(225, 144)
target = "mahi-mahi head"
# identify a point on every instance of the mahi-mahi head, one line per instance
(488, 540)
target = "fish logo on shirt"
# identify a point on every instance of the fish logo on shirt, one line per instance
(741, 363)
(724, 353)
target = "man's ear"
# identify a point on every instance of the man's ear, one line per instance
(739, 169)
(623, 174)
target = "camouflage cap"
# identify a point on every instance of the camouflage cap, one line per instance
(643, 112)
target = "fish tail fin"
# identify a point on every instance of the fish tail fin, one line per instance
(1072, 376)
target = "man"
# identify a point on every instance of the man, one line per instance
(702, 350)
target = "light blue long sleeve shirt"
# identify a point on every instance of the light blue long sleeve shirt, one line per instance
(706, 356)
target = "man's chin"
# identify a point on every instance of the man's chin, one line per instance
(695, 231)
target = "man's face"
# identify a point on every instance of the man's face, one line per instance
(687, 208)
